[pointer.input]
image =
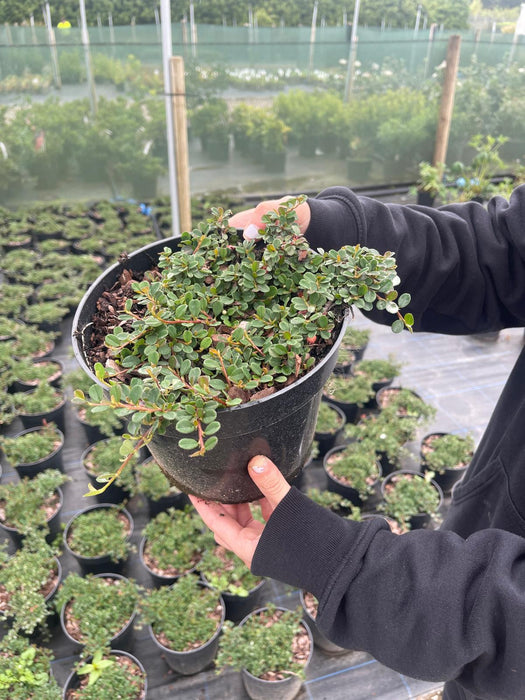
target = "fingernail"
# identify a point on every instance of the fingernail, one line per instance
(251, 232)
(258, 465)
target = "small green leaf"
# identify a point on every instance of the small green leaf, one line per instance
(188, 444)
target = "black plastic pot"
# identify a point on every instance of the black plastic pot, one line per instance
(425, 198)
(103, 563)
(159, 579)
(327, 440)
(350, 410)
(337, 486)
(52, 461)
(53, 524)
(73, 680)
(280, 426)
(449, 477)
(287, 689)
(122, 639)
(19, 385)
(56, 415)
(196, 660)
(319, 638)
(418, 520)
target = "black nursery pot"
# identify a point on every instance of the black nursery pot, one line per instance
(286, 689)
(449, 477)
(352, 494)
(73, 680)
(160, 579)
(187, 663)
(97, 565)
(280, 426)
(56, 415)
(418, 520)
(122, 639)
(52, 461)
(326, 441)
(19, 385)
(53, 524)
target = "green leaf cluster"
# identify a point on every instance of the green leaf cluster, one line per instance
(355, 465)
(409, 495)
(448, 451)
(152, 482)
(225, 572)
(101, 606)
(104, 458)
(23, 578)
(100, 532)
(262, 645)
(23, 501)
(349, 389)
(25, 670)
(184, 615)
(328, 419)
(31, 447)
(110, 678)
(176, 539)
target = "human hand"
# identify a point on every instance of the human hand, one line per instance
(233, 525)
(250, 220)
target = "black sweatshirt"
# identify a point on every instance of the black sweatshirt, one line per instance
(444, 605)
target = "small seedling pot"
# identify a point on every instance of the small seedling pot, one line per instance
(187, 663)
(448, 477)
(56, 415)
(123, 639)
(73, 681)
(286, 689)
(51, 461)
(327, 440)
(53, 524)
(417, 520)
(343, 489)
(160, 579)
(102, 563)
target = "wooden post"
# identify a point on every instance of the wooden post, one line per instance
(447, 100)
(180, 134)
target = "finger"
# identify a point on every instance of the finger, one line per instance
(242, 218)
(240, 512)
(251, 220)
(269, 479)
(266, 508)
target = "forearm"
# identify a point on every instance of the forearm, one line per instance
(462, 264)
(428, 603)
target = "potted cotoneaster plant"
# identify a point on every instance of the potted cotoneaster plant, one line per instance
(184, 621)
(32, 505)
(25, 670)
(446, 455)
(411, 498)
(213, 341)
(105, 673)
(329, 427)
(34, 450)
(353, 470)
(173, 543)
(272, 648)
(28, 581)
(96, 611)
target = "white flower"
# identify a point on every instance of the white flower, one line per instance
(342, 61)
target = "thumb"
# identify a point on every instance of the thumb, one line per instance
(268, 479)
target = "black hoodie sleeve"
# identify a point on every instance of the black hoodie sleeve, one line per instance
(463, 264)
(429, 604)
